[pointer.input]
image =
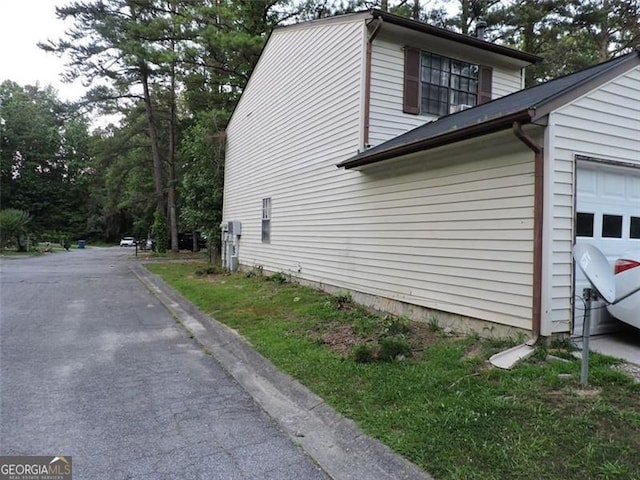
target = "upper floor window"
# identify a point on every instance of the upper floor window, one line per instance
(447, 85)
(439, 85)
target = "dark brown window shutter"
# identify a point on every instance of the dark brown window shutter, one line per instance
(411, 98)
(484, 85)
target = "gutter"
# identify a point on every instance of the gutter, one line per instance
(367, 85)
(446, 138)
(538, 199)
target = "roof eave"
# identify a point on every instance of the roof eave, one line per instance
(449, 137)
(455, 36)
(581, 88)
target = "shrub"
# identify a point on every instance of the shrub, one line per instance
(13, 224)
(362, 353)
(395, 325)
(393, 348)
(256, 271)
(434, 324)
(344, 301)
(160, 232)
(211, 270)
(278, 277)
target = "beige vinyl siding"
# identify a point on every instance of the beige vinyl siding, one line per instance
(450, 230)
(604, 124)
(505, 82)
(456, 239)
(300, 114)
(387, 120)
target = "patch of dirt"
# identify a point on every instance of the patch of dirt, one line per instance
(420, 336)
(475, 350)
(340, 339)
(588, 392)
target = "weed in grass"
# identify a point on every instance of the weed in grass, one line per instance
(392, 325)
(279, 277)
(210, 270)
(362, 353)
(394, 348)
(613, 470)
(255, 271)
(521, 337)
(495, 345)
(563, 344)
(344, 301)
(434, 323)
(365, 324)
(540, 355)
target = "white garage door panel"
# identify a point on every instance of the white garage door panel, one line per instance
(610, 193)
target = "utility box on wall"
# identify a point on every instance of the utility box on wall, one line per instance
(234, 227)
(231, 232)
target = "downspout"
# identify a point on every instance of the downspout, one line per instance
(367, 80)
(538, 199)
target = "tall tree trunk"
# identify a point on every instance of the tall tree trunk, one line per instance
(194, 242)
(153, 137)
(415, 11)
(528, 39)
(171, 160)
(464, 16)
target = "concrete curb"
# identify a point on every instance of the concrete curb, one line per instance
(336, 443)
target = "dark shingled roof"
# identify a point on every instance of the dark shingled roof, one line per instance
(522, 106)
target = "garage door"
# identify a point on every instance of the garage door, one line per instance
(607, 216)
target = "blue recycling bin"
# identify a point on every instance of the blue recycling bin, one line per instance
(81, 243)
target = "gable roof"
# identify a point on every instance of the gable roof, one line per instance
(420, 27)
(523, 106)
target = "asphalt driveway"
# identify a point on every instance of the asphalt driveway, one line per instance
(92, 366)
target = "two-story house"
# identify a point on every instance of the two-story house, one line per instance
(404, 163)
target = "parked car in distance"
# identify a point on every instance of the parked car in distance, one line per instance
(128, 242)
(627, 276)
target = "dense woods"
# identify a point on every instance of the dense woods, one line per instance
(171, 71)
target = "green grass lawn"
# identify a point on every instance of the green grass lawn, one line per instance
(439, 403)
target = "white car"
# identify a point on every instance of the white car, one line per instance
(128, 242)
(627, 277)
